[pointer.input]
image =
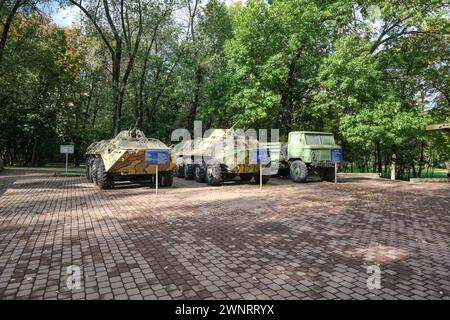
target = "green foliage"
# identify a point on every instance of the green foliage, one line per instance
(375, 73)
(40, 76)
(274, 56)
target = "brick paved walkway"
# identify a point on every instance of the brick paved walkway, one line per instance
(288, 241)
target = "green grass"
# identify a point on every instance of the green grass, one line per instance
(62, 165)
(432, 172)
(437, 173)
(68, 174)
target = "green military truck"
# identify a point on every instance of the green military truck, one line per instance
(310, 153)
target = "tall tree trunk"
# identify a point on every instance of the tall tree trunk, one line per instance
(374, 162)
(34, 151)
(287, 104)
(118, 92)
(386, 161)
(394, 162)
(287, 97)
(422, 159)
(195, 97)
(94, 114)
(379, 158)
(88, 105)
(7, 27)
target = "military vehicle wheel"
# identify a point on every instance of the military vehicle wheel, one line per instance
(328, 174)
(246, 177)
(200, 173)
(92, 173)
(88, 170)
(189, 172)
(299, 171)
(214, 175)
(94, 166)
(265, 179)
(104, 179)
(179, 171)
(166, 179)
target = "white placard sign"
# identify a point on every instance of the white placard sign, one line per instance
(67, 149)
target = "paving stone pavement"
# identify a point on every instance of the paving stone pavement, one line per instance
(288, 241)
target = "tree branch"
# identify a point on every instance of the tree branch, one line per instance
(96, 25)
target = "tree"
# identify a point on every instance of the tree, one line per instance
(38, 96)
(8, 10)
(113, 19)
(211, 83)
(273, 57)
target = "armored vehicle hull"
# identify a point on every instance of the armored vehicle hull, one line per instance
(123, 158)
(222, 156)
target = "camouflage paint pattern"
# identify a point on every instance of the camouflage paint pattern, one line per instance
(221, 146)
(126, 155)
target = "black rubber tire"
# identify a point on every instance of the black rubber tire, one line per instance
(200, 173)
(214, 175)
(166, 179)
(179, 171)
(246, 177)
(88, 170)
(189, 172)
(299, 171)
(265, 179)
(92, 172)
(104, 179)
(327, 174)
(94, 166)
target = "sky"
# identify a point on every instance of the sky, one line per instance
(69, 16)
(65, 17)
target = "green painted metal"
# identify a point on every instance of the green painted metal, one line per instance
(310, 146)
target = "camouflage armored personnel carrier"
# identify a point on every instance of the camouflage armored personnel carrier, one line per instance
(123, 158)
(215, 159)
(178, 151)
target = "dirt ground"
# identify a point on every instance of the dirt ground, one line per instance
(288, 241)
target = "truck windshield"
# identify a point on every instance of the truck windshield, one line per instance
(319, 139)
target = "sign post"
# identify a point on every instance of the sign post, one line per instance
(336, 157)
(156, 187)
(156, 158)
(335, 172)
(260, 156)
(67, 149)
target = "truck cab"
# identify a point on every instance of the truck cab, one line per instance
(310, 152)
(311, 146)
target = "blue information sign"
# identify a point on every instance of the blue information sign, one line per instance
(337, 155)
(156, 157)
(260, 156)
